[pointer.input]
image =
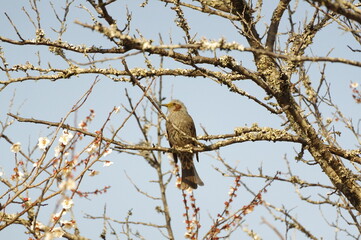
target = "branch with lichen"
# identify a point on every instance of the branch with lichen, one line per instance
(243, 134)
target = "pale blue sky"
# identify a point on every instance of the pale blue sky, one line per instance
(210, 104)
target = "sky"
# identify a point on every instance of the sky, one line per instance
(210, 104)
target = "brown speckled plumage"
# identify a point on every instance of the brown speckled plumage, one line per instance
(178, 117)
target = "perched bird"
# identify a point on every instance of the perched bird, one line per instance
(180, 129)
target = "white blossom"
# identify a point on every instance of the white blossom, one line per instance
(107, 163)
(66, 137)
(57, 232)
(18, 176)
(16, 147)
(83, 125)
(43, 142)
(68, 184)
(67, 203)
(93, 148)
(107, 152)
(55, 217)
(231, 191)
(67, 224)
(93, 173)
(57, 150)
(116, 109)
(354, 85)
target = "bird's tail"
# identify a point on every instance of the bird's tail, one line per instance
(190, 178)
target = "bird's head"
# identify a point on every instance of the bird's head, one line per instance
(175, 106)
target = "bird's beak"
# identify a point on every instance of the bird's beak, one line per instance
(165, 105)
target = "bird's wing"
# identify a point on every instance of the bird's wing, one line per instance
(169, 128)
(193, 133)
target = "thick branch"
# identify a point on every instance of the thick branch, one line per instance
(242, 134)
(168, 50)
(348, 10)
(138, 72)
(275, 21)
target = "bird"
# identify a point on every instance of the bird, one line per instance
(181, 132)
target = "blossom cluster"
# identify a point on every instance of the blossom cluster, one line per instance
(62, 168)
